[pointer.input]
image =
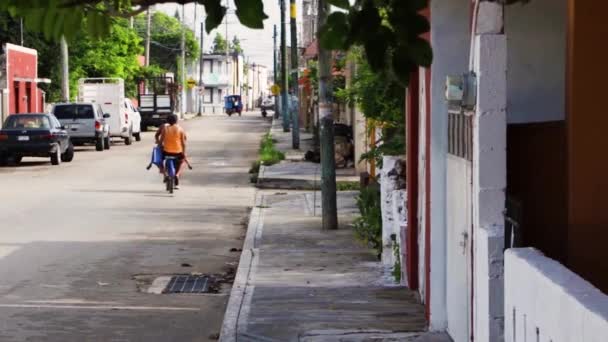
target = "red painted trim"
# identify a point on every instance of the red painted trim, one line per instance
(427, 181)
(427, 204)
(412, 117)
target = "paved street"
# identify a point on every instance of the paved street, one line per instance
(80, 241)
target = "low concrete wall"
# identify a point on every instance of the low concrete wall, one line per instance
(399, 210)
(391, 179)
(544, 301)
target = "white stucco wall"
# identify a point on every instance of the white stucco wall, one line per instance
(450, 38)
(536, 39)
(422, 195)
(544, 301)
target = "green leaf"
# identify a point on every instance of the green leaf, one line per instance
(215, 14)
(48, 25)
(402, 65)
(421, 52)
(251, 13)
(72, 23)
(334, 33)
(339, 3)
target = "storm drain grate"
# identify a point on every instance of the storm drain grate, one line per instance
(188, 284)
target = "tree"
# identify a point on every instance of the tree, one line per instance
(219, 44)
(166, 35)
(114, 56)
(235, 46)
(62, 17)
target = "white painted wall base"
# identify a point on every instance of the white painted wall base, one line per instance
(399, 210)
(391, 179)
(545, 301)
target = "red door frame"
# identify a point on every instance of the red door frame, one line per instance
(412, 116)
(413, 153)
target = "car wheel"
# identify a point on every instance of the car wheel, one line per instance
(99, 144)
(107, 142)
(137, 136)
(129, 139)
(68, 155)
(16, 160)
(56, 156)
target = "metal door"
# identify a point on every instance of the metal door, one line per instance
(459, 223)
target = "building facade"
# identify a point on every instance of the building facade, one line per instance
(19, 81)
(506, 222)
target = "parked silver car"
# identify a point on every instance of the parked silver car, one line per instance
(85, 123)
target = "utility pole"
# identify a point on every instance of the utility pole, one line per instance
(284, 104)
(328, 162)
(65, 71)
(183, 63)
(228, 48)
(275, 71)
(21, 27)
(148, 23)
(201, 62)
(295, 116)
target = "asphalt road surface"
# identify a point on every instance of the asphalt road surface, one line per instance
(81, 243)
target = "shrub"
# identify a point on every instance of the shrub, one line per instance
(269, 155)
(368, 227)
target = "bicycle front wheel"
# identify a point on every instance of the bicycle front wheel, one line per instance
(170, 184)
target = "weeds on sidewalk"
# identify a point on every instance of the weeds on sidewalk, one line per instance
(347, 186)
(368, 227)
(268, 155)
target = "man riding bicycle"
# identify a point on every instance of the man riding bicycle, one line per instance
(172, 138)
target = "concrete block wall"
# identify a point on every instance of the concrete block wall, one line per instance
(545, 301)
(489, 183)
(391, 179)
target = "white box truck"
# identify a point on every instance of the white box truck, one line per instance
(110, 94)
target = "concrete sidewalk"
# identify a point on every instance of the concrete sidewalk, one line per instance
(296, 282)
(294, 172)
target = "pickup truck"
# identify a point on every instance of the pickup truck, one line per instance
(156, 97)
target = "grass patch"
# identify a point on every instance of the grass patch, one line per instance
(368, 227)
(347, 186)
(268, 155)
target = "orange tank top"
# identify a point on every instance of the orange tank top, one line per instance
(172, 139)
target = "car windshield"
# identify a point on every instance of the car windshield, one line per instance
(19, 121)
(74, 112)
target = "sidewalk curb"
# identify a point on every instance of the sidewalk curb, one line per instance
(240, 297)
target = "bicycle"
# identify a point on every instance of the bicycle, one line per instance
(171, 170)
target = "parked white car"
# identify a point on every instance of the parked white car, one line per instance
(134, 117)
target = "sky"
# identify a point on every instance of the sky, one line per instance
(257, 44)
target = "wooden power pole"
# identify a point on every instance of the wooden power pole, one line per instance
(295, 116)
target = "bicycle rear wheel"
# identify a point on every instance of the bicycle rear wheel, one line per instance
(170, 184)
